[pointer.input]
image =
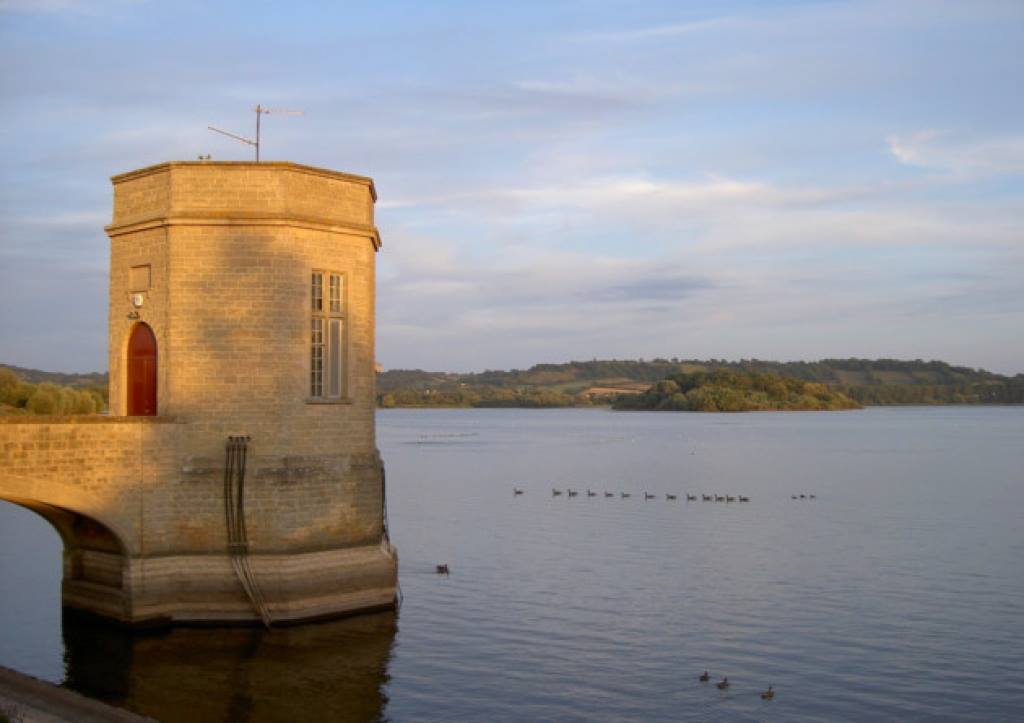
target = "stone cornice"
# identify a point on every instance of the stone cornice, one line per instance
(312, 224)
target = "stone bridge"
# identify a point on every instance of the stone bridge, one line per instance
(144, 531)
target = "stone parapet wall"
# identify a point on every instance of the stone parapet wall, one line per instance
(96, 466)
(144, 526)
(133, 476)
(229, 189)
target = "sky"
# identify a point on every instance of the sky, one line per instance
(557, 180)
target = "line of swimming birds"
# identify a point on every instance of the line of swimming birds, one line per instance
(724, 685)
(516, 491)
(647, 495)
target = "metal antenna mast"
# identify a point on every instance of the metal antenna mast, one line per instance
(260, 111)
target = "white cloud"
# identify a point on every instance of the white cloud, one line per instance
(615, 191)
(666, 30)
(716, 214)
(88, 220)
(925, 225)
(962, 157)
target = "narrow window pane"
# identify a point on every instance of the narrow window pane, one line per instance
(334, 358)
(316, 366)
(318, 292)
(336, 289)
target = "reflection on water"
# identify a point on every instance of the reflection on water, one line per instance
(333, 671)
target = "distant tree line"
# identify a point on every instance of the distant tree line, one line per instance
(21, 397)
(63, 379)
(726, 390)
(866, 381)
(480, 396)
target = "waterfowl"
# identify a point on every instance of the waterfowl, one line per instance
(744, 499)
(768, 694)
(691, 498)
(591, 494)
(705, 498)
(555, 493)
(793, 497)
(442, 569)
(724, 684)
(812, 497)
(704, 678)
(669, 496)
(573, 493)
(626, 494)
(648, 496)
(803, 497)
(719, 498)
(516, 491)
(609, 494)
(730, 498)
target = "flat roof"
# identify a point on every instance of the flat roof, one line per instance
(283, 165)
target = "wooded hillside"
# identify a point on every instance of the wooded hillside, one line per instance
(867, 381)
(727, 390)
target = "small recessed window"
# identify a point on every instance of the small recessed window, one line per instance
(139, 278)
(337, 290)
(318, 291)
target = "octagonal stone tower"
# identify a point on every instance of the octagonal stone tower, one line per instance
(242, 306)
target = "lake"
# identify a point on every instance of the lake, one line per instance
(896, 593)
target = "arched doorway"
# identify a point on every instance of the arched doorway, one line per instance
(142, 372)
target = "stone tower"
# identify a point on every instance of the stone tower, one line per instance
(257, 283)
(237, 476)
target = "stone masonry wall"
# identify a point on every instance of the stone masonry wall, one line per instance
(142, 247)
(271, 190)
(128, 475)
(111, 470)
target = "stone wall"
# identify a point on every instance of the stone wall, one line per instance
(111, 470)
(144, 527)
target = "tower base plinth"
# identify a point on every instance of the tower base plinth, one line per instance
(204, 589)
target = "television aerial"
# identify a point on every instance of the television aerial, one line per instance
(260, 111)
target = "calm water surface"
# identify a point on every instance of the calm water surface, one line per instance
(897, 594)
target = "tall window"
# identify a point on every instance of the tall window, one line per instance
(327, 336)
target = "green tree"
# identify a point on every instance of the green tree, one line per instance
(46, 399)
(9, 384)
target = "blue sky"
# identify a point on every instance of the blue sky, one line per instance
(558, 180)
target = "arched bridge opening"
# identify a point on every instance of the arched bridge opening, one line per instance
(94, 558)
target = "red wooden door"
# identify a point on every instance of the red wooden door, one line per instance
(142, 372)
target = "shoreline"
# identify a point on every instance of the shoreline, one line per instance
(24, 698)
